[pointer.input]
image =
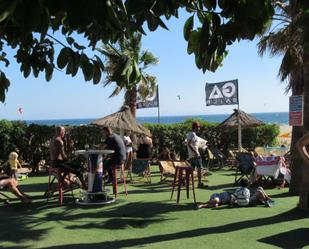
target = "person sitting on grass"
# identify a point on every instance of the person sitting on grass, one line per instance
(11, 184)
(217, 199)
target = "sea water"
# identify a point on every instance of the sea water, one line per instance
(269, 118)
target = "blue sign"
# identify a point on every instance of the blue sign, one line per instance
(296, 115)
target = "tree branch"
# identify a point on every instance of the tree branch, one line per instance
(50, 36)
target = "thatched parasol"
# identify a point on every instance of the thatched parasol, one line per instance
(122, 120)
(245, 120)
(240, 119)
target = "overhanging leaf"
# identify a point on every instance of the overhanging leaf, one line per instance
(4, 86)
(188, 28)
(62, 59)
(70, 40)
(7, 7)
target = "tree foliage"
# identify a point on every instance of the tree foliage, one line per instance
(126, 66)
(29, 27)
(285, 37)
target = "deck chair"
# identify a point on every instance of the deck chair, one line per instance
(260, 151)
(231, 159)
(245, 165)
(210, 158)
(205, 172)
(141, 168)
(215, 158)
(167, 169)
(181, 163)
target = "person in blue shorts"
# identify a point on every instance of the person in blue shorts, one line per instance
(217, 199)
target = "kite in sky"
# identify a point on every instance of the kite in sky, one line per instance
(20, 110)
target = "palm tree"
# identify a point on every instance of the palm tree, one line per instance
(125, 66)
(287, 39)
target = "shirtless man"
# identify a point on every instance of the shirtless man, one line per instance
(59, 158)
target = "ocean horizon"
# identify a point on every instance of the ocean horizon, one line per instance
(280, 118)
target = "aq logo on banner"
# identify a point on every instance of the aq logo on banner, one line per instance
(222, 93)
(152, 100)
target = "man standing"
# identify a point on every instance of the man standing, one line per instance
(193, 152)
(114, 142)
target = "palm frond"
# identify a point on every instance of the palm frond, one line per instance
(147, 58)
(116, 91)
(123, 61)
(289, 62)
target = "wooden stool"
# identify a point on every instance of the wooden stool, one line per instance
(61, 175)
(180, 170)
(115, 182)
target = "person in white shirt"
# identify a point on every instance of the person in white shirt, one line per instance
(192, 142)
(129, 149)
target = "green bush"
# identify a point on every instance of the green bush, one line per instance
(32, 142)
(173, 136)
(12, 138)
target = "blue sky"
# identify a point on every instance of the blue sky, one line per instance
(65, 97)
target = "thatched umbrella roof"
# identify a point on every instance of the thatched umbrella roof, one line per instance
(245, 119)
(122, 120)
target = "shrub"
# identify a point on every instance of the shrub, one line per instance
(32, 142)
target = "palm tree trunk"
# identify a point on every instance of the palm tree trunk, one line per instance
(304, 185)
(130, 100)
(297, 83)
(296, 161)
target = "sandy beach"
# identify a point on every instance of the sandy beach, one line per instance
(285, 135)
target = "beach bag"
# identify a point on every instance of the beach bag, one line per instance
(242, 196)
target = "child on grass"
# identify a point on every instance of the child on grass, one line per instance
(14, 164)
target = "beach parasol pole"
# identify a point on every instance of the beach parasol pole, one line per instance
(239, 131)
(158, 104)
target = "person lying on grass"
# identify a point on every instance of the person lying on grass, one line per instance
(217, 199)
(241, 197)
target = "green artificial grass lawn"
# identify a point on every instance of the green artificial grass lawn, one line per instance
(147, 218)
